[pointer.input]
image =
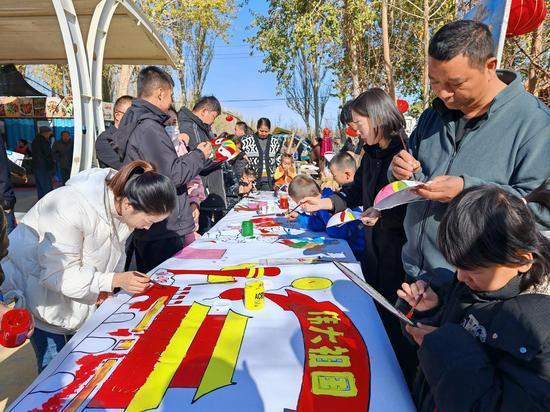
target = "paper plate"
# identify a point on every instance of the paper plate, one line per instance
(341, 218)
(223, 149)
(397, 193)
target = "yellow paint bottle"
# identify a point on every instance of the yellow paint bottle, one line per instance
(254, 295)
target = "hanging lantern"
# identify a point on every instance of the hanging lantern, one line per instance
(229, 118)
(525, 16)
(402, 105)
(351, 132)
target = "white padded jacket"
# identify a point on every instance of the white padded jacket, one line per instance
(65, 252)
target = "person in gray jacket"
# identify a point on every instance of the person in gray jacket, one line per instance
(483, 128)
(196, 124)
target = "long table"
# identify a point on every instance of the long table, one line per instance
(189, 343)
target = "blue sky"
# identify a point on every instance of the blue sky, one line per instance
(234, 75)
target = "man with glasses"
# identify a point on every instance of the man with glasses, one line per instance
(196, 124)
(105, 148)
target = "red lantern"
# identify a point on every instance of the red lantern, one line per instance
(402, 105)
(229, 118)
(351, 132)
(525, 16)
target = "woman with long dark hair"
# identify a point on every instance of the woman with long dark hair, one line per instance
(68, 250)
(263, 152)
(381, 128)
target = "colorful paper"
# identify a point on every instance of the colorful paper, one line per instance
(338, 219)
(223, 149)
(397, 193)
(194, 253)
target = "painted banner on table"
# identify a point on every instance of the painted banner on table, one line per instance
(188, 343)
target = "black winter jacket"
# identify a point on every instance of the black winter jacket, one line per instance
(42, 157)
(491, 351)
(106, 149)
(384, 241)
(212, 174)
(7, 199)
(141, 135)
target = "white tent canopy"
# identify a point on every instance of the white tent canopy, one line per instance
(85, 34)
(30, 34)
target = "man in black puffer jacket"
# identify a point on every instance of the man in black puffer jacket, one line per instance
(141, 135)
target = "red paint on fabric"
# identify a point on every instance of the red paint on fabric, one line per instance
(233, 294)
(87, 365)
(121, 332)
(192, 368)
(153, 294)
(267, 271)
(121, 386)
(302, 306)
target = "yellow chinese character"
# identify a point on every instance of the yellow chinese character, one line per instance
(341, 384)
(328, 331)
(318, 320)
(325, 350)
(316, 361)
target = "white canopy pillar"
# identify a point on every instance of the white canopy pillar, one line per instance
(151, 48)
(84, 130)
(97, 36)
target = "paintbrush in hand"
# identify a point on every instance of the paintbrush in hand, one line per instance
(410, 313)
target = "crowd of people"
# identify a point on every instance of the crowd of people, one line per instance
(470, 263)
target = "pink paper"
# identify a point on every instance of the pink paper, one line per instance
(193, 253)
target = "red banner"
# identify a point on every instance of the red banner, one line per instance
(336, 366)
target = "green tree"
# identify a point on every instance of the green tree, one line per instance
(299, 39)
(193, 27)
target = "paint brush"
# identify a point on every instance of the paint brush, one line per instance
(410, 313)
(409, 151)
(143, 275)
(281, 214)
(293, 210)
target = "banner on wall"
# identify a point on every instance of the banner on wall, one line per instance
(108, 111)
(36, 107)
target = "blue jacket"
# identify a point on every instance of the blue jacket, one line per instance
(352, 232)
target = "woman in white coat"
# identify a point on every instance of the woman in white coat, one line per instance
(69, 248)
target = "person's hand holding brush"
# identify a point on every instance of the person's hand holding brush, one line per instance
(421, 297)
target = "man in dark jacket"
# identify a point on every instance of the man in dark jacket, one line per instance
(62, 152)
(105, 147)
(6, 189)
(43, 165)
(196, 124)
(483, 128)
(141, 135)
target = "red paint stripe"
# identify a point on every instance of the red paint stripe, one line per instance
(352, 340)
(87, 366)
(137, 365)
(268, 271)
(193, 366)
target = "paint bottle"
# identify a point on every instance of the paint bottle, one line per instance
(247, 228)
(16, 325)
(254, 295)
(283, 201)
